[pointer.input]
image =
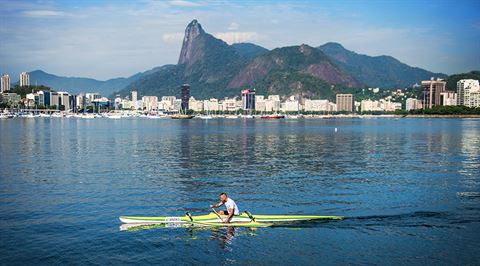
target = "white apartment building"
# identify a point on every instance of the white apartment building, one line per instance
(211, 105)
(195, 105)
(389, 106)
(272, 104)
(64, 99)
(370, 106)
(230, 104)
(150, 103)
(167, 103)
(24, 79)
(413, 104)
(290, 105)
(316, 105)
(260, 103)
(468, 93)
(448, 98)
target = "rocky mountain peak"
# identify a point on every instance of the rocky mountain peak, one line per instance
(193, 30)
(305, 49)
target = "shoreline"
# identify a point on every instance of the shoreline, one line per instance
(118, 115)
(441, 116)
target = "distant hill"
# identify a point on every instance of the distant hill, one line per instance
(249, 50)
(376, 71)
(75, 85)
(453, 79)
(299, 70)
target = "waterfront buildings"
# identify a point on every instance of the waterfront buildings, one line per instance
(290, 105)
(317, 106)
(211, 105)
(370, 106)
(150, 103)
(272, 104)
(57, 100)
(269, 104)
(230, 105)
(24, 79)
(383, 105)
(345, 103)
(468, 91)
(413, 104)
(195, 105)
(5, 84)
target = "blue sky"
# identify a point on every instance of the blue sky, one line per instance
(107, 39)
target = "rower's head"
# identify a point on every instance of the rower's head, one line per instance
(223, 196)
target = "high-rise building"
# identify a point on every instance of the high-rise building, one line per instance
(5, 86)
(64, 100)
(81, 101)
(345, 103)
(432, 90)
(185, 97)
(468, 92)
(134, 96)
(24, 79)
(248, 100)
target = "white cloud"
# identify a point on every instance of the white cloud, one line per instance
(237, 37)
(172, 37)
(184, 3)
(44, 13)
(233, 26)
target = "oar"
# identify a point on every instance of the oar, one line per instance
(217, 215)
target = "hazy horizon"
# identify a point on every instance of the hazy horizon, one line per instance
(109, 39)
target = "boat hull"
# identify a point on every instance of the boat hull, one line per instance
(182, 117)
(212, 218)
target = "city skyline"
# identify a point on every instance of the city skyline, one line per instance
(111, 39)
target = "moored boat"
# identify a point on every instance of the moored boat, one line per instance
(180, 116)
(272, 116)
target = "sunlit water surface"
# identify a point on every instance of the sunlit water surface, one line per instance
(410, 189)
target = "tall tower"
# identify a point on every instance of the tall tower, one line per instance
(432, 90)
(5, 86)
(185, 97)
(134, 96)
(248, 100)
(24, 79)
(345, 102)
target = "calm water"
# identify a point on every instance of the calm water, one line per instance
(409, 187)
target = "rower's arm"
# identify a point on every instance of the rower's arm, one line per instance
(217, 205)
(230, 215)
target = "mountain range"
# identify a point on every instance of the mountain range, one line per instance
(76, 85)
(214, 68)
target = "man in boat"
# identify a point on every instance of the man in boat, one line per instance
(232, 208)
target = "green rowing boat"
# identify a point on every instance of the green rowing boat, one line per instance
(214, 219)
